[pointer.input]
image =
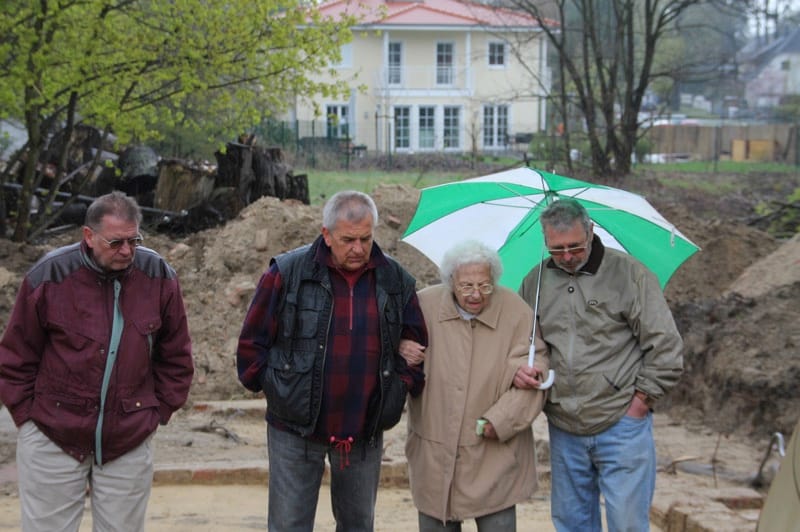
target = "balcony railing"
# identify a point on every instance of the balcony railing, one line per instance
(430, 77)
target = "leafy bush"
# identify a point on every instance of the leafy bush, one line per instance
(783, 217)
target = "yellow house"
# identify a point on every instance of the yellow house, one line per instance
(440, 75)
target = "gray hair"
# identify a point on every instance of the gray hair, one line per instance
(469, 252)
(115, 203)
(561, 215)
(349, 205)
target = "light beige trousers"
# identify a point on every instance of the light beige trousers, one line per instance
(52, 486)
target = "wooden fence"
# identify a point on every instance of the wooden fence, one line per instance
(763, 142)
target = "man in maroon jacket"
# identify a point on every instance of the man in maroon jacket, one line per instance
(95, 356)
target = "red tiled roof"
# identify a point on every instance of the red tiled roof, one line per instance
(426, 13)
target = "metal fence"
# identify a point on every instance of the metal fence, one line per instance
(312, 142)
(325, 143)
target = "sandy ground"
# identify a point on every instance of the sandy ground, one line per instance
(228, 435)
(237, 507)
(692, 462)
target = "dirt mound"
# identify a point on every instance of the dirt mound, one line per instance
(735, 303)
(780, 268)
(726, 250)
(735, 300)
(742, 362)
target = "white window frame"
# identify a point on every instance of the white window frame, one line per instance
(394, 63)
(493, 54)
(445, 62)
(338, 127)
(346, 52)
(426, 127)
(402, 127)
(495, 126)
(451, 132)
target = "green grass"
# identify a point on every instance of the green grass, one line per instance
(722, 167)
(713, 188)
(323, 184)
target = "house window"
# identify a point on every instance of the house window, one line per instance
(336, 121)
(402, 127)
(427, 127)
(497, 54)
(346, 51)
(444, 63)
(495, 126)
(395, 63)
(450, 134)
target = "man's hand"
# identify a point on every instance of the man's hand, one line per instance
(638, 407)
(412, 352)
(528, 377)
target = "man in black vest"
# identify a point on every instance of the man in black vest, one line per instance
(321, 340)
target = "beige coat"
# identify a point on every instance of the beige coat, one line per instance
(469, 367)
(781, 511)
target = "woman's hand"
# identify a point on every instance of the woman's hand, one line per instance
(412, 352)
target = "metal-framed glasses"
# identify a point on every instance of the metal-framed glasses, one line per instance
(116, 243)
(466, 289)
(572, 250)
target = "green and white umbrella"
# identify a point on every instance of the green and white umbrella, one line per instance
(502, 210)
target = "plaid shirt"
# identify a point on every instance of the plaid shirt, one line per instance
(352, 355)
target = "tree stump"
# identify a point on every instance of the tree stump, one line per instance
(256, 171)
(182, 186)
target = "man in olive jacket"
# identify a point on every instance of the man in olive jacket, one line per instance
(616, 351)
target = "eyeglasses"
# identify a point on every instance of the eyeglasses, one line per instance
(467, 289)
(572, 250)
(133, 241)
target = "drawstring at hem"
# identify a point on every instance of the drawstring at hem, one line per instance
(344, 447)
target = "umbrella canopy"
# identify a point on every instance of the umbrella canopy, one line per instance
(502, 210)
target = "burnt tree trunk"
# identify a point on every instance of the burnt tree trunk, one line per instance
(181, 185)
(256, 171)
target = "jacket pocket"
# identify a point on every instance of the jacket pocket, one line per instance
(287, 386)
(76, 334)
(134, 404)
(394, 400)
(148, 329)
(66, 418)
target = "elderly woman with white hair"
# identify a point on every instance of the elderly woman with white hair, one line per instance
(470, 444)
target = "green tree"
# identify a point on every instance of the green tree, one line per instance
(129, 65)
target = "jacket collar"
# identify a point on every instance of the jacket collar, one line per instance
(595, 258)
(88, 260)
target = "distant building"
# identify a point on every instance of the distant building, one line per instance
(440, 75)
(771, 71)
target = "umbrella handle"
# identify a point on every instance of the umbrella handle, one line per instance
(551, 375)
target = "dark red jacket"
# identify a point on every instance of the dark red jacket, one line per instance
(53, 352)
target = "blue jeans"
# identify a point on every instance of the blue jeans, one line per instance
(296, 466)
(619, 462)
